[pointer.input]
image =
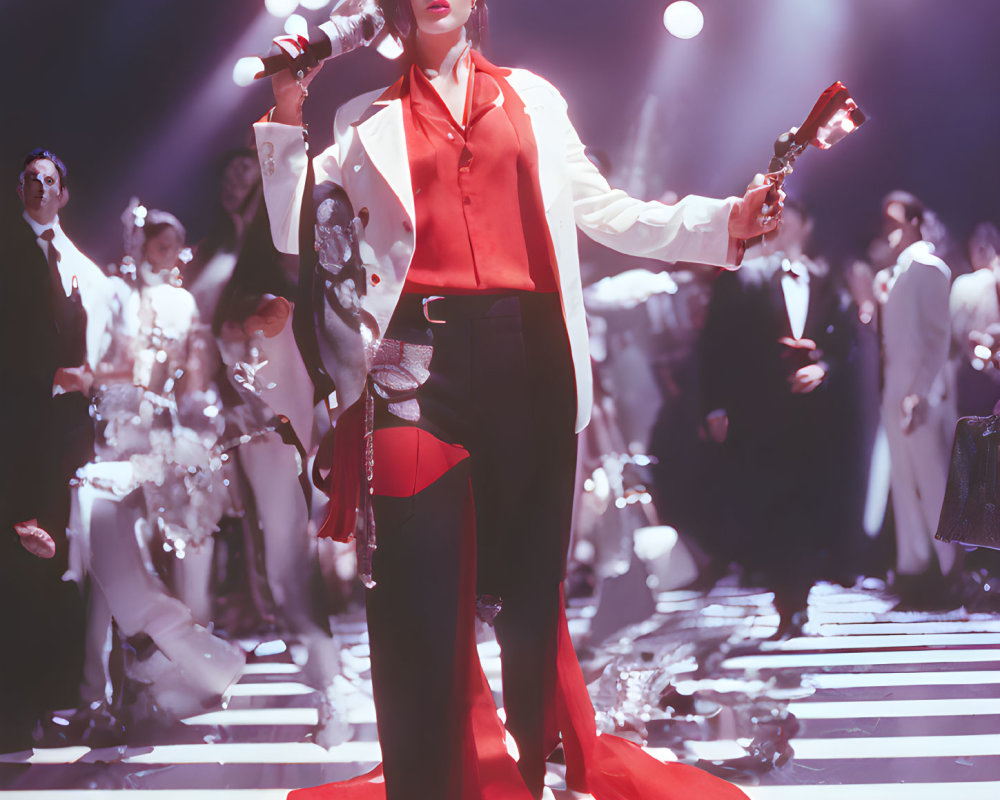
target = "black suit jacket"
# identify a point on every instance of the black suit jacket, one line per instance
(784, 462)
(40, 330)
(745, 369)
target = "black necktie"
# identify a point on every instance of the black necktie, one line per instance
(57, 288)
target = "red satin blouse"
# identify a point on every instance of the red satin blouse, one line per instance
(480, 226)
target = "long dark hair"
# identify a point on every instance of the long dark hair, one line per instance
(399, 16)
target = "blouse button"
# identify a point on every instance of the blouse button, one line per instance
(376, 280)
(407, 226)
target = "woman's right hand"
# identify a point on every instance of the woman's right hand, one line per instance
(289, 95)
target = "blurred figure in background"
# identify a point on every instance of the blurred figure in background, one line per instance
(975, 321)
(775, 349)
(216, 255)
(43, 326)
(918, 395)
(156, 479)
(270, 387)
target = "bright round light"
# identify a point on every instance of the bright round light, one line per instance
(281, 8)
(246, 69)
(683, 19)
(312, 5)
(296, 25)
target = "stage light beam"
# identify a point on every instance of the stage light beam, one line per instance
(683, 19)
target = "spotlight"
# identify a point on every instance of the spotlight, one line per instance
(280, 8)
(683, 19)
(246, 70)
(296, 25)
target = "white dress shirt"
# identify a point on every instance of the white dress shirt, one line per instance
(795, 287)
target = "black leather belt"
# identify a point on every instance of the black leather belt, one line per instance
(439, 309)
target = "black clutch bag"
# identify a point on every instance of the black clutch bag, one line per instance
(971, 511)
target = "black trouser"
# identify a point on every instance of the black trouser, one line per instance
(501, 385)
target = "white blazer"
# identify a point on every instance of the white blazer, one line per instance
(369, 160)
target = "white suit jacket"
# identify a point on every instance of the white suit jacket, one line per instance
(369, 160)
(916, 328)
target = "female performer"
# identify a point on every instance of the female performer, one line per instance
(469, 356)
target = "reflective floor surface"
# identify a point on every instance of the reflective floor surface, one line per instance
(867, 699)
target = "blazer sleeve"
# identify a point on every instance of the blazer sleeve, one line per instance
(694, 229)
(284, 158)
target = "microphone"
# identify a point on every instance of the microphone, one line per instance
(342, 33)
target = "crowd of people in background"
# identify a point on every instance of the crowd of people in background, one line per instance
(791, 421)
(158, 483)
(807, 410)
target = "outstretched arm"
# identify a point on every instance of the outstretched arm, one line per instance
(698, 229)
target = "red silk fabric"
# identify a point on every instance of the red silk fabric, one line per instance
(343, 484)
(607, 767)
(410, 459)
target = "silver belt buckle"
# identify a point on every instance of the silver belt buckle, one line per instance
(426, 302)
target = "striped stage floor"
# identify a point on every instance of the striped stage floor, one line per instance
(876, 703)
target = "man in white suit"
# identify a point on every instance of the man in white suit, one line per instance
(918, 397)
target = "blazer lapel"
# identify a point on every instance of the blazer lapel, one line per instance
(536, 116)
(383, 138)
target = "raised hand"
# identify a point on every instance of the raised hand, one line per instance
(759, 210)
(290, 93)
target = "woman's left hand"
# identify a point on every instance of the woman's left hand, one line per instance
(759, 210)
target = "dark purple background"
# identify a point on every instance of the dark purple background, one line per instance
(136, 96)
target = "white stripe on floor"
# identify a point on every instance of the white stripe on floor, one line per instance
(270, 689)
(858, 680)
(856, 709)
(872, 658)
(889, 641)
(360, 714)
(271, 668)
(882, 791)
(866, 748)
(251, 753)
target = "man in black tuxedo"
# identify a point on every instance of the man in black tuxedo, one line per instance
(776, 387)
(42, 331)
